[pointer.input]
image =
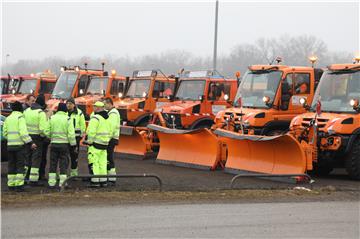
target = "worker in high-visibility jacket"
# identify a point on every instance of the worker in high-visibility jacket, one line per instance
(114, 121)
(98, 135)
(62, 135)
(78, 119)
(38, 128)
(15, 131)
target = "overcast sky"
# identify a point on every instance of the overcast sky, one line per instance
(38, 30)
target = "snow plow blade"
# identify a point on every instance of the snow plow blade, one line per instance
(280, 154)
(187, 148)
(133, 144)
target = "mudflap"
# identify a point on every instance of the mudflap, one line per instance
(197, 148)
(134, 144)
(280, 154)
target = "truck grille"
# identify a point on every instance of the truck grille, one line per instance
(321, 122)
(169, 121)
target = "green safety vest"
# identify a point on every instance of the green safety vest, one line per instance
(99, 130)
(61, 129)
(15, 130)
(78, 120)
(114, 120)
(36, 122)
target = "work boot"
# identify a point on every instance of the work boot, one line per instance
(112, 183)
(103, 184)
(12, 189)
(94, 185)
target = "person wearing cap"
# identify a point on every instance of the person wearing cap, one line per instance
(38, 128)
(114, 121)
(62, 136)
(16, 133)
(98, 135)
(78, 120)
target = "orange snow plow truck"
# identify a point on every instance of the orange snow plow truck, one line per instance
(266, 102)
(146, 91)
(99, 87)
(72, 82)
(199, 97)
(20, 86)
(327, 136)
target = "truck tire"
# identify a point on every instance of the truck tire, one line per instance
(352, 161)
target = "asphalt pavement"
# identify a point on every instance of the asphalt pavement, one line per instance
(242, 220)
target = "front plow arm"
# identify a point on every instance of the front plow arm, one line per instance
(134, 143)
(198, 148)
(281, 154)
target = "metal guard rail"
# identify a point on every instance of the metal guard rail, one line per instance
(257, 175)
(144, 175)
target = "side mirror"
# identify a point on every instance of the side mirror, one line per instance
(226, 97)
(266, 100)
(120, 94)
(304, 104)
(201, 98)
(355, 104)
(103, 92)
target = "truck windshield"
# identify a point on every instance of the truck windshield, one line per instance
(64, 85)
(256, 85)
(190, 90)
(336, 89)
(138, 88)
(27, 86)
(98, 85)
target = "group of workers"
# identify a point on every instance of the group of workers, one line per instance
(29, 129)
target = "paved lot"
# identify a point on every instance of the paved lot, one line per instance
(188, 179)
(262, 220)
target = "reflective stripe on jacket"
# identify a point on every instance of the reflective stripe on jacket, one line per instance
(114, 120)
(99, 130)
(36, 122)
(78, 120)
(15, 130)
(61, 129)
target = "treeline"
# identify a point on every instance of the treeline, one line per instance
(294, 50)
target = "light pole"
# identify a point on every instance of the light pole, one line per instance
(215, 34)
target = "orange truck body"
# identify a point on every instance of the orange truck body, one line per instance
(196, 113)
(72, 82)
(147, 91)
(333, 136)
(20, 86)
(262, 119)
(101, 87)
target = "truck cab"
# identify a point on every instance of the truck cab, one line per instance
(101, 86)
(72, 82)
(337, 120)
(198, 98)
(20, 86)
(147, 90)
(269, 98)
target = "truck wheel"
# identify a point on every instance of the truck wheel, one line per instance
(352, 161)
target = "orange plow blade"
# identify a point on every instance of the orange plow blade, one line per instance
(281, 154)
(133, 144)
(187, 148)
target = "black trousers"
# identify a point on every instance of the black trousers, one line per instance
(59, 155)
(16, 159)
(74, 154)
(110, 153)
(43, 163)
(36, 154)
